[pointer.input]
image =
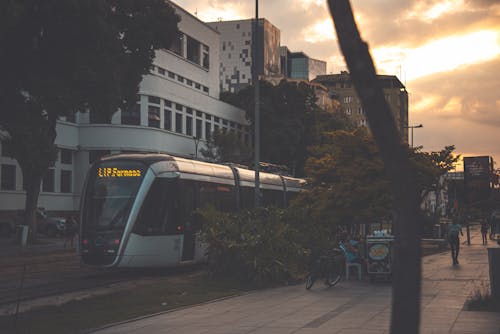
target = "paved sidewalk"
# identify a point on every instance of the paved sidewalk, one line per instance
(351, 307)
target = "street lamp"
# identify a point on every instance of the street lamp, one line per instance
(196, 142)
(411, 127)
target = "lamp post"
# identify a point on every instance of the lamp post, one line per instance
(255, 80)
(411, 127)
(196, 142)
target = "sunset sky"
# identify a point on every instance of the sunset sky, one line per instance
(446, 52)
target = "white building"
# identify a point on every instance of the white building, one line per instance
(178, 101)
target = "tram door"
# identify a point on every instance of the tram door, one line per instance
(191, 223)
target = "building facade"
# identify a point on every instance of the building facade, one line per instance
(236, 52)
(178, 101)
(301, 66)
(342, 88)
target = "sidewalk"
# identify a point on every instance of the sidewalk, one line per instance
(351, 307)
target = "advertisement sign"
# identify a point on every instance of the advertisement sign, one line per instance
(379, 256)
(477, 177)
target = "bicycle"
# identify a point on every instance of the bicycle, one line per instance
(327, 266)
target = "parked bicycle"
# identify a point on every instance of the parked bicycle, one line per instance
(326, 266)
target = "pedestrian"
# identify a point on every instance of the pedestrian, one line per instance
(71, 230)
(453, 230)
(494, 224)
(484, 230)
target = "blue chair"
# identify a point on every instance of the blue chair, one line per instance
(349, 263)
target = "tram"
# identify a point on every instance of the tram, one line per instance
(139, 210)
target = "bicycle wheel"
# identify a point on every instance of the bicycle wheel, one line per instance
(309, 281)
(333, 276)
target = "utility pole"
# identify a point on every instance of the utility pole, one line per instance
(255, 80)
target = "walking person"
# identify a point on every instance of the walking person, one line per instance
(453, 230)
(484, 230)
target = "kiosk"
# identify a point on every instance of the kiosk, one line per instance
(379, 256)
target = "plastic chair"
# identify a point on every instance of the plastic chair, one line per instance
(349, 264)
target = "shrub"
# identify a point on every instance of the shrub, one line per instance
(258, 245)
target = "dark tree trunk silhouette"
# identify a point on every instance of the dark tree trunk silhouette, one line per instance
(405, 315)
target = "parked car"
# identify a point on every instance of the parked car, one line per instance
(50, 224)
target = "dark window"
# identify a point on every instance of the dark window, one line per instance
(167, 125)
(65, 181)
(177, 45)
(66, 156)
(193, 50)
(216, 119)
(161, 70)
(178, 123)
(153, 116)
(199, 127)
(208, 129)
(8, 178)
(132, 115)
(180, 78)
(199, 113)
(189, 110)
(48, 181)
(207, 116)
(205, 89)
(205, 62)
(197, 85)
(160, 211)
(189, 82)
(189, 125)
(178, 106)
(171, 75)
(154, 99)
(168, 104)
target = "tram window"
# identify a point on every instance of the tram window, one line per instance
(158, 212)
(247, 196)
(227, 198)
(272, 197)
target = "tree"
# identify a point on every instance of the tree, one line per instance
(226, 147)
(405, 313)
(291, 121)
(59, 57)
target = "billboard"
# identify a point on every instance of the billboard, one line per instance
(477, 178)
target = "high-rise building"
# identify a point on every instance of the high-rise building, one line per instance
(342, 88)
(236, 52)
(178, 102)
(301, 66)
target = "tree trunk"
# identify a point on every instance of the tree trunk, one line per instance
(32, 181)
(405, 315)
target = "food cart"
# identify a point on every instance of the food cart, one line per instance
(379, 256)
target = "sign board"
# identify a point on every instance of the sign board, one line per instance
(477, 177)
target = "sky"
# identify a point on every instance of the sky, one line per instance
(446, 52)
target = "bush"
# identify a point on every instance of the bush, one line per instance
(258, 245)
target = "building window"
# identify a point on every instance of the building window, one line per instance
(206, 57)
(66, 181)
(197, 85)
(48, 181)
(8, 178)
(168, 104)
(171, 75)
(205, 89)
(180, 78)
(177, 45)
(208, 130)
(360, 110)
(154, 99)
(178, 106)
(178, 123)
(189, 125)
(132, 115)
(199, 127)
(348, 111)
(167, 121)
(347, 99)
(161, 70)
(193, 50)
(189, 110)
(153, 116)
(199, 113)
(66, 156)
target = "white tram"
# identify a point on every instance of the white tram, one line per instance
(138, 210)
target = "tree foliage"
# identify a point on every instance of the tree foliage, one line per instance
(291, 121)
(227, 147)
(58, 57)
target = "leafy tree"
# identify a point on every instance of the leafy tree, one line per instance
(291, 121)
(58, 57)
(226, 147)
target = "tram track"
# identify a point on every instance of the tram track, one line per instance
(30, 278)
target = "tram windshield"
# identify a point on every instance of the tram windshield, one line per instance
(111, 191)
